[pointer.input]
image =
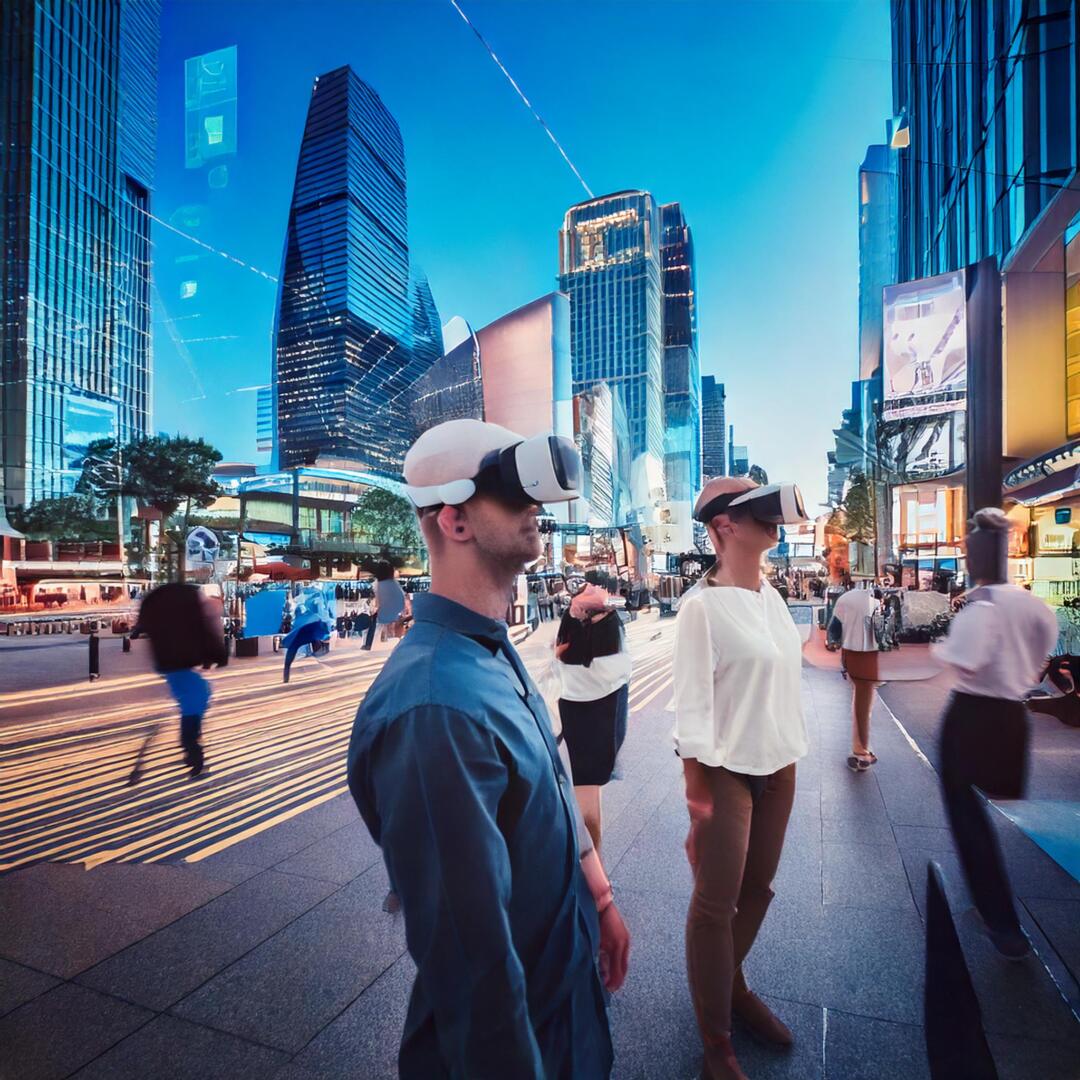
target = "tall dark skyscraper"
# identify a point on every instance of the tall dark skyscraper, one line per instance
(609, 264)
(713, 428)
(78, 83)
(682, 371)
(355, 329)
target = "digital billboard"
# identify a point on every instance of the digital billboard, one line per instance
(925, 332)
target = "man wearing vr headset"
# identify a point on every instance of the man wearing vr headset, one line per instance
(455, 771)
(739, 730)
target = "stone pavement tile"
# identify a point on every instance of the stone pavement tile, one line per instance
(224, 866)
(155, 893)
(865, 876)
(853, 831)
(1059, 920)
(801, 1062)
(333, 814)
(652, 1019)
(43, 930)
(873, 963)
(364, 1039)
(1033, 1059)
(787, 958)
(912, 794)
(58, 1032)
(655, 861)
(339, 857)
(845, 794)
(162, 968)
(290, 987)
(20, 984)
(860, 1048)
(1016, 997)
(923, 838)
(274, 845)
(170, 1047)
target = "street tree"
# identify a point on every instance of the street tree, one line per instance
(386, 519)
(165, 472)
(70, 517)
(857, 508)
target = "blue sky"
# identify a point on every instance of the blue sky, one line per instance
(754, 115)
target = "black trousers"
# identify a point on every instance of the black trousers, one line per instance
(984, 745)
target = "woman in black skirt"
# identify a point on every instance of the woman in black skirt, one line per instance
(595, 672)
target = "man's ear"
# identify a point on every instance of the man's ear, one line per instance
(454, 524)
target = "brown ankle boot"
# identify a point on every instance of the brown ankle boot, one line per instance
(759, 1019)
(720, 1063)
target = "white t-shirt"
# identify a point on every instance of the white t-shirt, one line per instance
(603, 676)
(853, 609)
(998, 646)
(737, 673)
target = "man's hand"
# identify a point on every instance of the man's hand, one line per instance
(614, 947)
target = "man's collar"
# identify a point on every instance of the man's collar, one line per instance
(428, 607)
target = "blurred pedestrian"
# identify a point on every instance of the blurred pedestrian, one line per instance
(997, 646)
(456, 773)
(856, 611)
(389, 602)
(594, 670)
(311, 628)
(739, 730)
(185, 633)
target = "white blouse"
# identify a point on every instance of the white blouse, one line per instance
(737, 676)
(999, 642)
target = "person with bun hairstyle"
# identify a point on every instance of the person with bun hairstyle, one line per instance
(997, 647)
(739, 730)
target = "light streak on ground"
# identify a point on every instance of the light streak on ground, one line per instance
(273, 752)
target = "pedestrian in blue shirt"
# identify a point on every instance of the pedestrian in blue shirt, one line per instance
(455, 771)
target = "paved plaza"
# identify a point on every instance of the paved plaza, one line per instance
(234, 927)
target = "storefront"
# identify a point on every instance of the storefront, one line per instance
(928, 530)
(1043, 500)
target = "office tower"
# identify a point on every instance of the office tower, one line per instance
(713, 428)
(78, 82)
(355, 329)
(682, 372)
(609, 263)
(264, 420)
(525, 361)
(451, 388)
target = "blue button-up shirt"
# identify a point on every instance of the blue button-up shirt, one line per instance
(456, 774)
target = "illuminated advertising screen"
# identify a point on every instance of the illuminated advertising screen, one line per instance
(925, 329)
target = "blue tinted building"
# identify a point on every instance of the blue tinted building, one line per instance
(78, 86)
(355, 329)
(609, 263)
(713, 428)
(682, 371)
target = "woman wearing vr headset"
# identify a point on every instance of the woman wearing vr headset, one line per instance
(739, 730)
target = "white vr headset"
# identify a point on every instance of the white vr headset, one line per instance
(775, 504)
(543, 469)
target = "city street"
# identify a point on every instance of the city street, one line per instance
(234, 925)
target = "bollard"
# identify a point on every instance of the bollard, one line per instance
(126, 647)
(95, 659)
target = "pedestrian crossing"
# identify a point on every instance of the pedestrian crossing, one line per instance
(273, 751)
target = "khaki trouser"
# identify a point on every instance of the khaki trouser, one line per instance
(738, 851)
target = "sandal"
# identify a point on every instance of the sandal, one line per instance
(858, 764)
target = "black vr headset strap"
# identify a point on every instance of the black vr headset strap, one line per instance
(717, 506)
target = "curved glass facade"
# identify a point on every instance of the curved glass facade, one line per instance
(354, 331)
(78, 79)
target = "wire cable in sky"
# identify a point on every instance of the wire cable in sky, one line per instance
(521, 94)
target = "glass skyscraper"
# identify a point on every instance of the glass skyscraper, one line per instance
(355, 329)
(682, 371)
(713, 428)
(78, 86)
(609, 263)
